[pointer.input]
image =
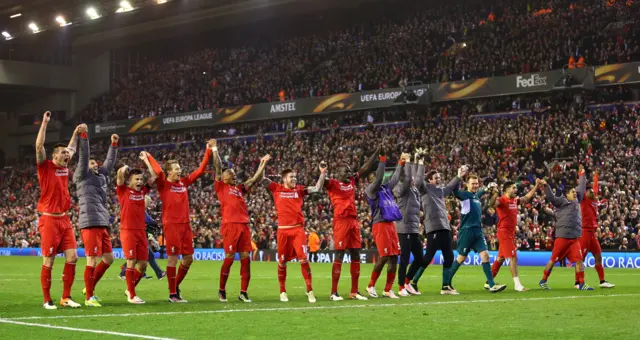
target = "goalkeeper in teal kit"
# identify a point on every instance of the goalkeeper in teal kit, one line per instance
(470, 236)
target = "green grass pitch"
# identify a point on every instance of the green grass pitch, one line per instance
(562, 313)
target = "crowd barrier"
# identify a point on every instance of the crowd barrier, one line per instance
(525, 258)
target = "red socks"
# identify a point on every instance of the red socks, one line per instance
(282, 277)
(600, 271)
(355, 276)
(224, 272)
(182, 272)
(101, 268)
(391, 277)
(137, 276)
(495, 268)
(546, 275)
(580, 276)
(374, 278)
(407, 280)
(335, 276)
(45, 282)
(171, 279)
(245, 274)
(306, 274)
(68, 276)
(88, 281)
(131, 281)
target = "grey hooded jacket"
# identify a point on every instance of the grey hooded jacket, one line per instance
(408, 199)
(568, 214)
(435, 211)
(92, 187)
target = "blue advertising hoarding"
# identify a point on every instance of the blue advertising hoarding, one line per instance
(528, 258)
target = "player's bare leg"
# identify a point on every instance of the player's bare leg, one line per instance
(513, 265)
(335, 275)
(580, 275)
(600, 270)
(45, 281)
(68, 276)
(224, 276)
(355, 275)
(187, 260)
(245, 275)
(547, 271)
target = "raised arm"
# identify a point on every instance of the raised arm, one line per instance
(112, 155)
(418, 174)
(395, 177)
(82, 169)
(529, 196)
(372, 189)
(258, 175)
(364, 170)
(555, 201)
(152, 164)
(120, 175)
(41, 154)
(582, 184)
(493, 200)
(455, 182)
(320, 182)
(200, 170)
(73, 143)
(596, 188)
(217, 162)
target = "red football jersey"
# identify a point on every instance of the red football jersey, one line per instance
(174, 195)
(288, 203)
(507, 214)
(589, 210)
(132, 210)
(54, 188)
(343, 197)
(232, 204)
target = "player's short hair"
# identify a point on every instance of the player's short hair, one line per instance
(168, 165)
(134, 172)
(506, 185)
(57, 146)
(471, 176)
(567, 189)
(431, 174)
(285, 172)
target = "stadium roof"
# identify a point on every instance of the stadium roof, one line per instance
(148, 20)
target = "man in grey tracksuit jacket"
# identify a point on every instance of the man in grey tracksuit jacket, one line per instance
(436, 221)
(568, 229)
(408, 229)
(92, 182)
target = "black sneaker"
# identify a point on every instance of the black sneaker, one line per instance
(244, 297)
(178, 293)
(222, 295)
(147, 277)
(448, 290)
(162, 275)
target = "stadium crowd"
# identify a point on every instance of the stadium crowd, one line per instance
(523, 148)
(426, 41)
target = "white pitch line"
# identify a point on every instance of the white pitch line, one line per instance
(281, 309)
(128, 335)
